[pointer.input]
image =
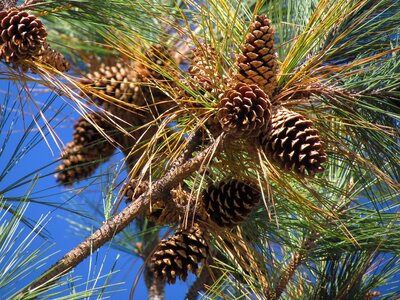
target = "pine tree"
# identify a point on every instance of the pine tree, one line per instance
(262, 135)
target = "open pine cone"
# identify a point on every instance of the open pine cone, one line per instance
(77, 164)
(245, 110)
(86, 133)
(118, 81)
(82, 156)
(131, 82)
(180, 253)
(294, 143)
(257, 64)
(22, 35)
(230, 202)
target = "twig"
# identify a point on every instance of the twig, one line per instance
(117, 223)
(297, 259)
(155, 286)
(193, 144)
(306, 246)
(287, 275)
(198, 285)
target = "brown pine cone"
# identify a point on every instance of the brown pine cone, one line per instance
(203, 69)
(21, 35)
(77, 164)
(258, 64)
(87, 134)
(83, 155)
(245, 110)
(230, 202)
(118, 81)
(180, 253)
(172, 210)
(134, 189)
(294, 143)
(52, 58)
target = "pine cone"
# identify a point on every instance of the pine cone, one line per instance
(229, 203)
(82, 156)
(203, 69)
(245, 110)
(21, 35)
(77, 164)
(179, 253)
(159, 58)
(117, 81)
(134, 189)
(257, 64)
(171, 211)
(294, 143)
(52, 58)
(87, 134)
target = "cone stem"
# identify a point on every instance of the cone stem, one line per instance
(117, 223)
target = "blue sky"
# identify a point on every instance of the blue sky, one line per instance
(45, 189)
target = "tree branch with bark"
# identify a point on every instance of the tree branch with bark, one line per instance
(120, 221)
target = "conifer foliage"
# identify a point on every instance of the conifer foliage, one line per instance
(225, 141)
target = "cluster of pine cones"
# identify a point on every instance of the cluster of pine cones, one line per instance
(23, 38)
(246, 110)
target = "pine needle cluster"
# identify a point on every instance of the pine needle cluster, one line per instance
(262, 134)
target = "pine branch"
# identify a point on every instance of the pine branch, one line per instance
(117, 223)
(198, 285)
(155, 286)
(298, 258)
(308, 244)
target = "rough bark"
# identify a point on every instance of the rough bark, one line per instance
(198, 285)
(155, 286)
(117, 223)
(297, 260)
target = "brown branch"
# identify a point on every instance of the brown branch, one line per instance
(155, 286)
(287, 275)
(117, 223)
(198, 285)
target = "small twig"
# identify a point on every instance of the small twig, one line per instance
(198, 285)
(117, 223)
(301, 254)
(296, 261)
(155, 286)
(193, 144)
(287, 275)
